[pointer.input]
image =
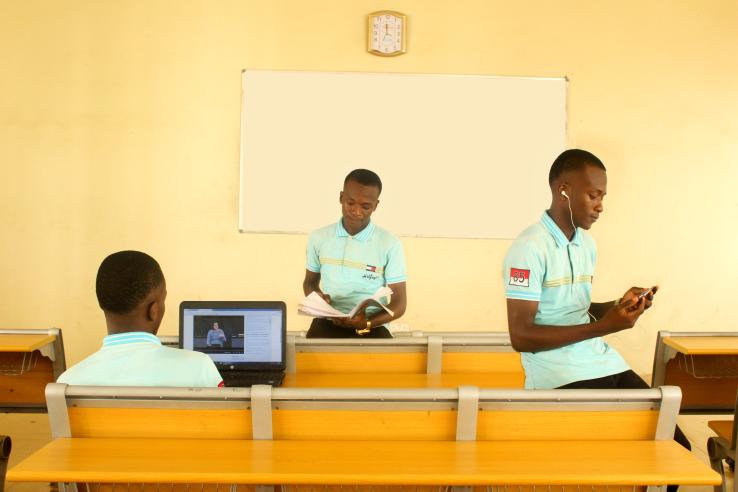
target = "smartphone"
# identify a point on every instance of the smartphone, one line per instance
(644, 293)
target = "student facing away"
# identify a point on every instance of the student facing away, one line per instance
(349, 260)
(131, 291)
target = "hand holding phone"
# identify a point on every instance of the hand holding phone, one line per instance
(645, 293)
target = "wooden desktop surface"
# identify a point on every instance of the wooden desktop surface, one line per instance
(10, 342)
(723, 428)
(363, 462)
(403, 380)
(703, 345)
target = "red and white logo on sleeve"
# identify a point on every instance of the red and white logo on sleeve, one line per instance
(520, 277)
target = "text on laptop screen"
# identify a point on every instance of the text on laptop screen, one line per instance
(233, 335)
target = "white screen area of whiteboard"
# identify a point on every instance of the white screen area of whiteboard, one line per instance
(459, 156)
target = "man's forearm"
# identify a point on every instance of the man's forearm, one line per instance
(598, 309)
(547, 337)
(308, 287)
(382, 317)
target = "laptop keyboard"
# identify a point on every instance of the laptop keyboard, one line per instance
(243, 379)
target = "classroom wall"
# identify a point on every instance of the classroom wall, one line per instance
(119, 129)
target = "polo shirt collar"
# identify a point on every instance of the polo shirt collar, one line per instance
(362, 236)
(130, 338)
(558, 235)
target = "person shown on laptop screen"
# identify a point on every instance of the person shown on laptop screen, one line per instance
(131, 291)
(349, 260)
(216, 337)
(245, 339)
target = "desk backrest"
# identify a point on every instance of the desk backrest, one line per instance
(262, 412)
(418, 354)
(409, 352)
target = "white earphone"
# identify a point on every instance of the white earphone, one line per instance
(564, 193)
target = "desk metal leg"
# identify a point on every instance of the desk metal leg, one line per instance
(716, 451)
(67, 487)
(5, 447)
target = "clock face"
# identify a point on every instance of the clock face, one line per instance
(386, 33)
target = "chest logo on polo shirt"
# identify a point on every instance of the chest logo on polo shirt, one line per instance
(370, 273)
(520, 277)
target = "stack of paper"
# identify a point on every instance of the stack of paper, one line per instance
(314, 305)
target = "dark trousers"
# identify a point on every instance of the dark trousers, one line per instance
(627, 380)
(324, 328)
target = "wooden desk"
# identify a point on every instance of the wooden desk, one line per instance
(719, 345)
(403, 380)
(703, 365)
(11, 342)
(364, 462)
(723, 428)
(29, 359)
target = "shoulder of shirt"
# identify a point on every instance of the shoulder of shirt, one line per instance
(534, 236)
(183, 354)
(326, 231)
(384, 234)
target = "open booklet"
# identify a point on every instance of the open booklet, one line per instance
(314, 305)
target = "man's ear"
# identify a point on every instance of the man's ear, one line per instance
(376, 205)
(340, 197)
(564, 191)
(152, 311)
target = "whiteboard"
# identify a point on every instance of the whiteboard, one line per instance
(460, 156)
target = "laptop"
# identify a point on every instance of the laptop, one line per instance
(247, 340)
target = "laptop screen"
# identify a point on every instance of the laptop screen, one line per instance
(236, 335)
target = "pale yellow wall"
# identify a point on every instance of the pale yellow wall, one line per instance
(119, 125)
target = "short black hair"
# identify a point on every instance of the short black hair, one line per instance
(364, 177)
(572, 160)
(124, 279)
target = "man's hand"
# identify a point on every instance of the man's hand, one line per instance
(624, 314)
(358, 322)
(648, 298)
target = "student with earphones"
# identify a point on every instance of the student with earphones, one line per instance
(548, 274)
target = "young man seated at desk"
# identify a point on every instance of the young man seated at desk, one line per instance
(131, 291)
(349, 260)
(548, 274)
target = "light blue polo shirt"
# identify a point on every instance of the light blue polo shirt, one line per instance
(139, 359)
(542, 265)
(352, 268)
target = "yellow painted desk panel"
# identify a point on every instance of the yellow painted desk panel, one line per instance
(363, 462)
(156, 423)
(24, 343)
(403, 380)
(371, 362)
(481, 362)
(703, 345)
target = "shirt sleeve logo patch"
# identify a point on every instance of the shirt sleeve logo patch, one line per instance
(519, 277)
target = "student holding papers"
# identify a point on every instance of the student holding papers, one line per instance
(352, 268)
